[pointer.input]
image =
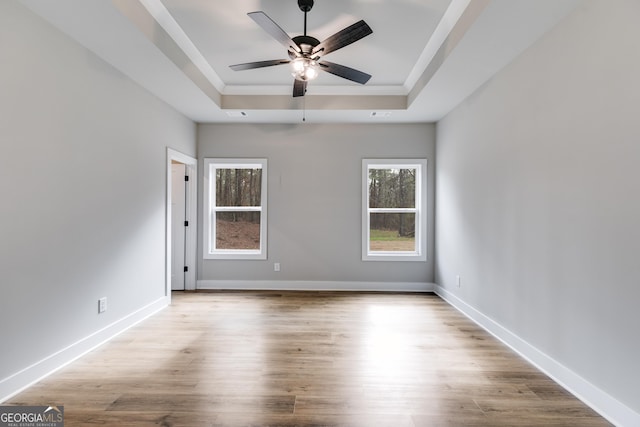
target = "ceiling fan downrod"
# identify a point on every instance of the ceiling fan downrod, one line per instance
(305, 6)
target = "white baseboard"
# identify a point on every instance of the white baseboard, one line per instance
(28, 376)
(600, 401)
(301, 285)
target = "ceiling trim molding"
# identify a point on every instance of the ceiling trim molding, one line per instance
(140, 16)
(343, 90)
(436, 41)
(162, 16)
(313, 102)
(463, 16)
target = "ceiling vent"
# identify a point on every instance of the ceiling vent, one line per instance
(381, 114)
(236, 114)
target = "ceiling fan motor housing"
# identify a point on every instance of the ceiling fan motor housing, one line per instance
(306, 44)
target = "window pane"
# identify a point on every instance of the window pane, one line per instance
(392, 232)
(238, 230)
(392, 188)
(238, 187)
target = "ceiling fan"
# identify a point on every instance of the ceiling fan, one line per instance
(306, 53)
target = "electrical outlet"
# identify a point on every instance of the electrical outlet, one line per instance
(276, 266)
(458, 280)
(102, 305)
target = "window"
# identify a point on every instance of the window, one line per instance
(235, 203)
(394, 207)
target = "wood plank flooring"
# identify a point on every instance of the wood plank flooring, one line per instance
(307, 359)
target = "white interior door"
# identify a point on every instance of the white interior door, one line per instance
(178, 210)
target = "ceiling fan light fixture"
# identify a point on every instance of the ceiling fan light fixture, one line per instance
(307, 53)
(304, 69)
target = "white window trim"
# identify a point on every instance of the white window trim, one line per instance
(420, 210)
(208, 249)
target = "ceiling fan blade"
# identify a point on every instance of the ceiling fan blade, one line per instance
(259, 64)
(343, 38)
(274, 30)
(299, 87)
(345, 72)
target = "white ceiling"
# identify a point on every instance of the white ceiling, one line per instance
(425, 56)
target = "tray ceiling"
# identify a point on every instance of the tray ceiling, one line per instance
(425, 56)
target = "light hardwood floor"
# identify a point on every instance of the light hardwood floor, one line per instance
(307, 358)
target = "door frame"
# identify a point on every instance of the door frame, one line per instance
(191, 199)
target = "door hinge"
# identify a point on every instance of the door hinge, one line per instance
(186, 177)
(186, 268)
(186, 223)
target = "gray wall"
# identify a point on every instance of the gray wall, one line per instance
(82, 187)
(315, 198)
(538, 205)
